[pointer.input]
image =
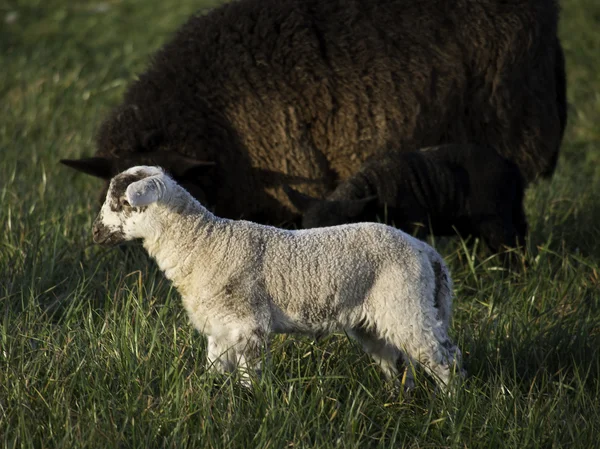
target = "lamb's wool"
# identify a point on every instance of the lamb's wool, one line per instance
(241, 281)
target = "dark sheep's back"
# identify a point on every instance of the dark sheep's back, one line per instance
(303, 92)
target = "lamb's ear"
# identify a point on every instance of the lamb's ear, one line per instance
(95, 166)
(146, 191)
(353, 208)
(301, 201)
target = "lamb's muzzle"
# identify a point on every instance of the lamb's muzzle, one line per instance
(241, 281)
(102, 235)
(99, 232)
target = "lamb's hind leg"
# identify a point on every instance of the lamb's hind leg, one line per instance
(384, 354)
(436, 353)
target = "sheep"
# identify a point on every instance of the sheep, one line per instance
(240, 281)
(468, 189)
(257, 94)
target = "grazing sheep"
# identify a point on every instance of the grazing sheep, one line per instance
(448, 188)
(257, 94)
(241, 281)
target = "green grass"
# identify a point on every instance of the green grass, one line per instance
(96, 351)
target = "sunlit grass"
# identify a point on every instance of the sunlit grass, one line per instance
(96, 350)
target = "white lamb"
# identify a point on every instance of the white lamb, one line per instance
(241, 281)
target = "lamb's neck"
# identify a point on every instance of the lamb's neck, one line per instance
(184, 242)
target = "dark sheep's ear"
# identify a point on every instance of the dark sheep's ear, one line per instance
(95, 166)
(192, 169)
(353, 208)
(179, 165)
(150, 139)
(301, 201)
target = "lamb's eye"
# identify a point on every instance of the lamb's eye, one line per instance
(126, 203)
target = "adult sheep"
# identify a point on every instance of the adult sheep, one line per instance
(257, 94)
(446, 189)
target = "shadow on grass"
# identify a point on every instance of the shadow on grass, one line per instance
(556, 342)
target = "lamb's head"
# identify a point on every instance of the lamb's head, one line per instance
(124, 215)
(327, 212)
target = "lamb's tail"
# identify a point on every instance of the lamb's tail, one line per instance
(443, 290)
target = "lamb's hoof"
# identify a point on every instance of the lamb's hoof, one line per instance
(404, 387)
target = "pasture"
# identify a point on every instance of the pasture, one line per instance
(95, 347)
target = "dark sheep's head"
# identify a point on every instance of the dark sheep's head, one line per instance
(185, 170)
(129, 138)
(324, 212)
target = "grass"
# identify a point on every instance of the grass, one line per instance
(96, 351)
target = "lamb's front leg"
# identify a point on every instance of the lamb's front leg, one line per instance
(497, 232)
(249, 348)
(240, 348)
(220, 357)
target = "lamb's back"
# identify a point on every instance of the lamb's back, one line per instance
(333, 267)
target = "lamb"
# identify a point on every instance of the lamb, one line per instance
(468, 189)
(258, 94)
(241, 281)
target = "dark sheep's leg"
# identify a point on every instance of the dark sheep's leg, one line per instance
(498, 233)
(519, 221)
(501, 235)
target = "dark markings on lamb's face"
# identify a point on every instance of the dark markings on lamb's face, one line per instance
(105, 236)
(117, 192)
(112, 234)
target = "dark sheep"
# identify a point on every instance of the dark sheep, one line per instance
(262, 93)
(468, 189)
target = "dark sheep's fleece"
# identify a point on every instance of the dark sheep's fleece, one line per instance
(258, 94)
(464, 189)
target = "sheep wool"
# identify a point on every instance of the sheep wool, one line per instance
(467, 189)
(257, 94)
(241, 281)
